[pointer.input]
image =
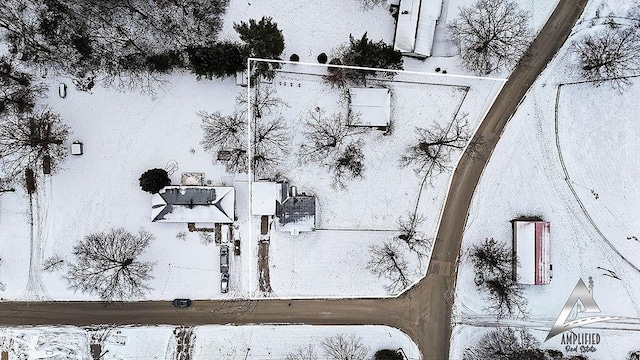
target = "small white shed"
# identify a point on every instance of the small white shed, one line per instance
(372, 105)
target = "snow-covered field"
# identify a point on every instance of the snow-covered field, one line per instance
(207, 342)
(597, 134)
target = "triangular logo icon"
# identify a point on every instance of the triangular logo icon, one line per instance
(581, 299)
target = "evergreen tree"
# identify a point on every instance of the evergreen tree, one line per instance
(219, 60)
(263, 40)
(153, 180)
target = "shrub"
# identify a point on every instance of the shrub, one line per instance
(294, 57)
(153, 180)
(322, 58)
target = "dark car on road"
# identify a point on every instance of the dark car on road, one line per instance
(181, 303)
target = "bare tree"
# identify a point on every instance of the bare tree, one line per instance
(270, 144)
(492, 258)
(370, 4)
(432, 152)
(326, 134)
(505, 343)
(343, 347)
(125, 41)
(107, 265)
(303, 353)
(264, 101)
(223, 132)
(388, 261)
(492, 34)
(17, 91)
(610, 54)
(53, 263)
(506, 296)
(348, 165)
(238, 160)
(416, 240)
(30, 140)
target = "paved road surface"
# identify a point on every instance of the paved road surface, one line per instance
(424, 312)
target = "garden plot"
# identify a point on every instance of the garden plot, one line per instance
(362, 212)
(124, 134)
(45, 342)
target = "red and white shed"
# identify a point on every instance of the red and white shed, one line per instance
(531, 248)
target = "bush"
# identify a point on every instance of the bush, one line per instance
(322, 58)
(153, 180)
(387, 354)
(294, 57)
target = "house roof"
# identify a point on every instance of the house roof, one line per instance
(264, 195)
(205, 204)
(296, 213)
(531, 242)
(373, 105)
(416, 28)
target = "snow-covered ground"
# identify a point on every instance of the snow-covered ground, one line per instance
(332, 261)
(597, 134)
(124, 134)
(207, 342)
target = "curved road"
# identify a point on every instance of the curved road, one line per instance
(424, 312)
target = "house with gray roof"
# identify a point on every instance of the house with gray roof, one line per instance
(194, 204)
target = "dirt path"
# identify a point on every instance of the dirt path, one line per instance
(264, 281)
(424, 312)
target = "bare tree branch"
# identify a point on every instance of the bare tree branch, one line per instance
(106, 265)
(492, 34)
(388, 261)
(25, 141)
(431, 155)
(342, 347)
(611, 54)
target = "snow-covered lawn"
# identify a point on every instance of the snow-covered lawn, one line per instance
(124, 134)
(208, 342)
(332, 261)
(275, 342)
(597, 135)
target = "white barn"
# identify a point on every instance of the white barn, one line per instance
(416, 26)
(531, 250)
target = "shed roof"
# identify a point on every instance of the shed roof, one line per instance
(373, 105)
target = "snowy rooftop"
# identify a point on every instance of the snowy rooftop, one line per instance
(531, 241)
(264, 195)
(372, 104)
(416, 26)
(194, 204)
